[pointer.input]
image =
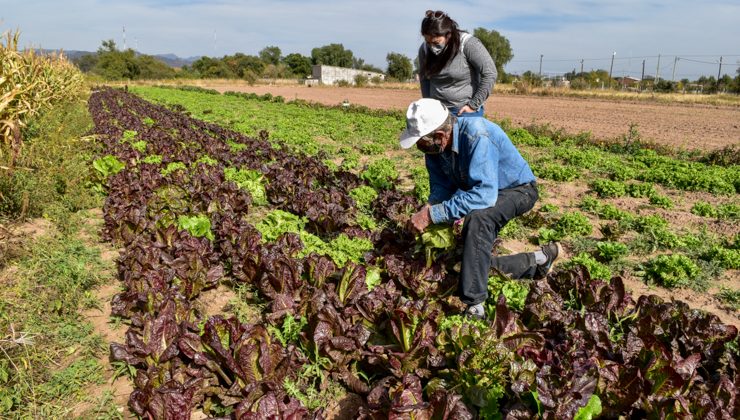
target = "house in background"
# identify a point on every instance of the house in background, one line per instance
(331, 75)
(628, 81)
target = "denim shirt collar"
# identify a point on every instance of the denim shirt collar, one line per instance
(456, 137)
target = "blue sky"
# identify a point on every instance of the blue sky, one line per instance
(562, 31)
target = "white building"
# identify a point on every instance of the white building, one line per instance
(330, 75)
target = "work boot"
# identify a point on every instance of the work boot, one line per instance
(552, 251)
(477, 312)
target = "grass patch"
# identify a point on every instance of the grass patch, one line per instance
(49, 353)
(52, 173)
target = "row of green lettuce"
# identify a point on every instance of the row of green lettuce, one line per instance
(358, 139)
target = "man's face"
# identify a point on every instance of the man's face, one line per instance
(433, 143)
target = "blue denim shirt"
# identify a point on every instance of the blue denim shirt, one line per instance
(481, 161)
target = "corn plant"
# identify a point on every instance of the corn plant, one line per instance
(28, 84)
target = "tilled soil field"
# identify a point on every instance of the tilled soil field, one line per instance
(688, 126)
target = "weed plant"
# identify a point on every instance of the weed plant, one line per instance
(52, 172)
(40, 322)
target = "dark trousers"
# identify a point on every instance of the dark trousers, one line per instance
(479, 232)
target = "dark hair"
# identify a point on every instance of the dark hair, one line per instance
(439, 24)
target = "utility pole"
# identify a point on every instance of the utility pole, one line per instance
(657, 70)
(643, 71)
(540, 73)
(719, 72)
(124, 37)
(673, 75)
(581, 66)
(611, 67)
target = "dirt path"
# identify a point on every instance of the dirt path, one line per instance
(120, 387)
(689, 126)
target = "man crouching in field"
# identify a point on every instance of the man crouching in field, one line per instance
(476, 173)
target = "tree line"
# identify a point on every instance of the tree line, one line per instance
(113, 64)
(596, 79)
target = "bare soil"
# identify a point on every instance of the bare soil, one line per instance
(685, 126)
(100, 317)
(569, 194)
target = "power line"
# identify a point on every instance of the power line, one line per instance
(633, 57)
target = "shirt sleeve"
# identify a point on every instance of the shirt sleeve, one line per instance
(481, 61)
(425, 84)
(440, 187)
(483, 179)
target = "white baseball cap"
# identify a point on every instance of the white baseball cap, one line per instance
(422, 117)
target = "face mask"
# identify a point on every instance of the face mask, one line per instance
(437, 49)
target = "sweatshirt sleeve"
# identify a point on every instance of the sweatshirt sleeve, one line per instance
(424, 83)
(481, 61)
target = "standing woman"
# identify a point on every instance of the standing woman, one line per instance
(454, 66)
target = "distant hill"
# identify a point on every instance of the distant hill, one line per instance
(170, 59)
(174, 61)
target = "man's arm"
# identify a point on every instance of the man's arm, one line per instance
(440, 186)
(483, 179)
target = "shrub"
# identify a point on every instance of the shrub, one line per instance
(361, 80)
(60, 157)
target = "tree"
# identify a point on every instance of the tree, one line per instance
(598, 78)
(86, 62)
(399, 66)
(270, 55)
(107, 46)
(240, 64)
(299, 65)
(208, 67)
(369, 67)
(151, 68)
(532, 78)
(498, 46)
(273, 71)
(724, 82)
(113, 64)
(332, 55)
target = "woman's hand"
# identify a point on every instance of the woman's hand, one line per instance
(465, 109)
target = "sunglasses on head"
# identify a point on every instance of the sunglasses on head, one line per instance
(435, 14)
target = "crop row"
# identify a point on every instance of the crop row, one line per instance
(354, 306)
(363, 141)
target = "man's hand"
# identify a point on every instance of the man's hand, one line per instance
(420, 220)
(465, 109)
